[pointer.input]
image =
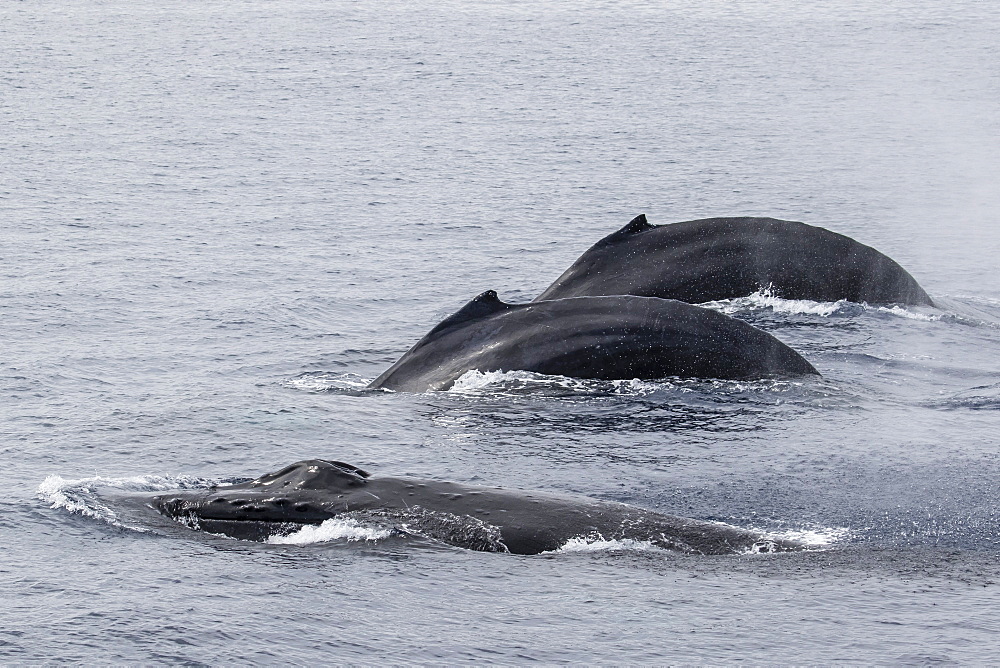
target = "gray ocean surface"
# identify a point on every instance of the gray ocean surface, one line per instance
(221, 219)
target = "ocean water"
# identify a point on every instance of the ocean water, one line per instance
(221, 219)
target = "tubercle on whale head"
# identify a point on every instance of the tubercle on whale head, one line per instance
(306, 492)
(314, 474)
(238, 508)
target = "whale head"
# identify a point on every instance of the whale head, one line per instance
(306, 492)
(313, 474)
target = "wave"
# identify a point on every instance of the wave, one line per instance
(325, 381)
(82, 496)
(816, 538)
(475, 381)
(766, 299)
(599, 544)
(335, 529)
(813, 392)
(902, 312)
(983, 397)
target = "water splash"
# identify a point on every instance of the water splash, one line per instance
(901, 312)
(475, 381)
(324, 381)
(82, 496)
(765, 298)
(814, 537)
(600, 544)
(817, 392)
(811, 538)
(335, 529)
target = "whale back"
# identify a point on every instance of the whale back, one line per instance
(608, 338)
(479, 518)
(722, 258)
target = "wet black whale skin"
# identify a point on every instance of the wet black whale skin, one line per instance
(311, 491)
(609, 338)
(723, 258)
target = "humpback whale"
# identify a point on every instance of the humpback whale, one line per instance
(608, 338)
(480, 518)
(722, 258)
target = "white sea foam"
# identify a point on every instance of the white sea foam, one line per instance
(599, 544)
(817, 537)
(80, 496)
(59, 492)
(901, 312)
(814, 538)
(333, 529)
(325, 382)
(638, 387)
(520, 382)
(766, 299)
(475, 381)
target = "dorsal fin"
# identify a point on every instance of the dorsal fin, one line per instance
(482, 306)
(634, 226)
(637, 224)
